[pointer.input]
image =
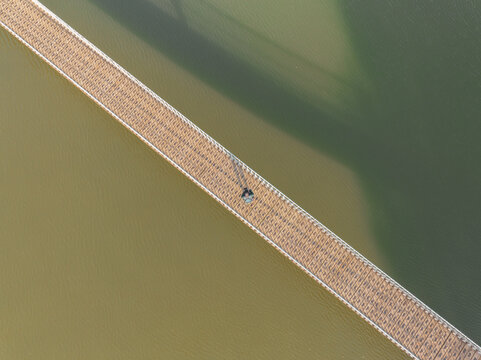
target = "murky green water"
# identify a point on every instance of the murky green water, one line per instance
(363, 115)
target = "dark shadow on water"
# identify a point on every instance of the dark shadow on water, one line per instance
(282, 52)
(425, 61)
(177, 4)
(414, 144)
(230, 75)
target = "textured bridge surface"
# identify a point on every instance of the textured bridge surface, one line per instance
(378, 299)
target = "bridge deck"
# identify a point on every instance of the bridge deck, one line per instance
(395, 312)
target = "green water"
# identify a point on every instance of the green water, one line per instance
(364, 115)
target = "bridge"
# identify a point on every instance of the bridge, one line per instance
(378, 299)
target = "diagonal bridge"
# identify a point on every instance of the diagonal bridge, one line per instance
(378, 299)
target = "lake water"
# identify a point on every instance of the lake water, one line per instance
(367, 115)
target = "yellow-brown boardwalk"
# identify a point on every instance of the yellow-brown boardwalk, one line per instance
(378, 299)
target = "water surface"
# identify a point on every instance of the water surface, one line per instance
(108, 252)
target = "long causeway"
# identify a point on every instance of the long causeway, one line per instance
(364, 288)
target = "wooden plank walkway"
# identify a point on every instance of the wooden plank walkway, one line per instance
(378, 299)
